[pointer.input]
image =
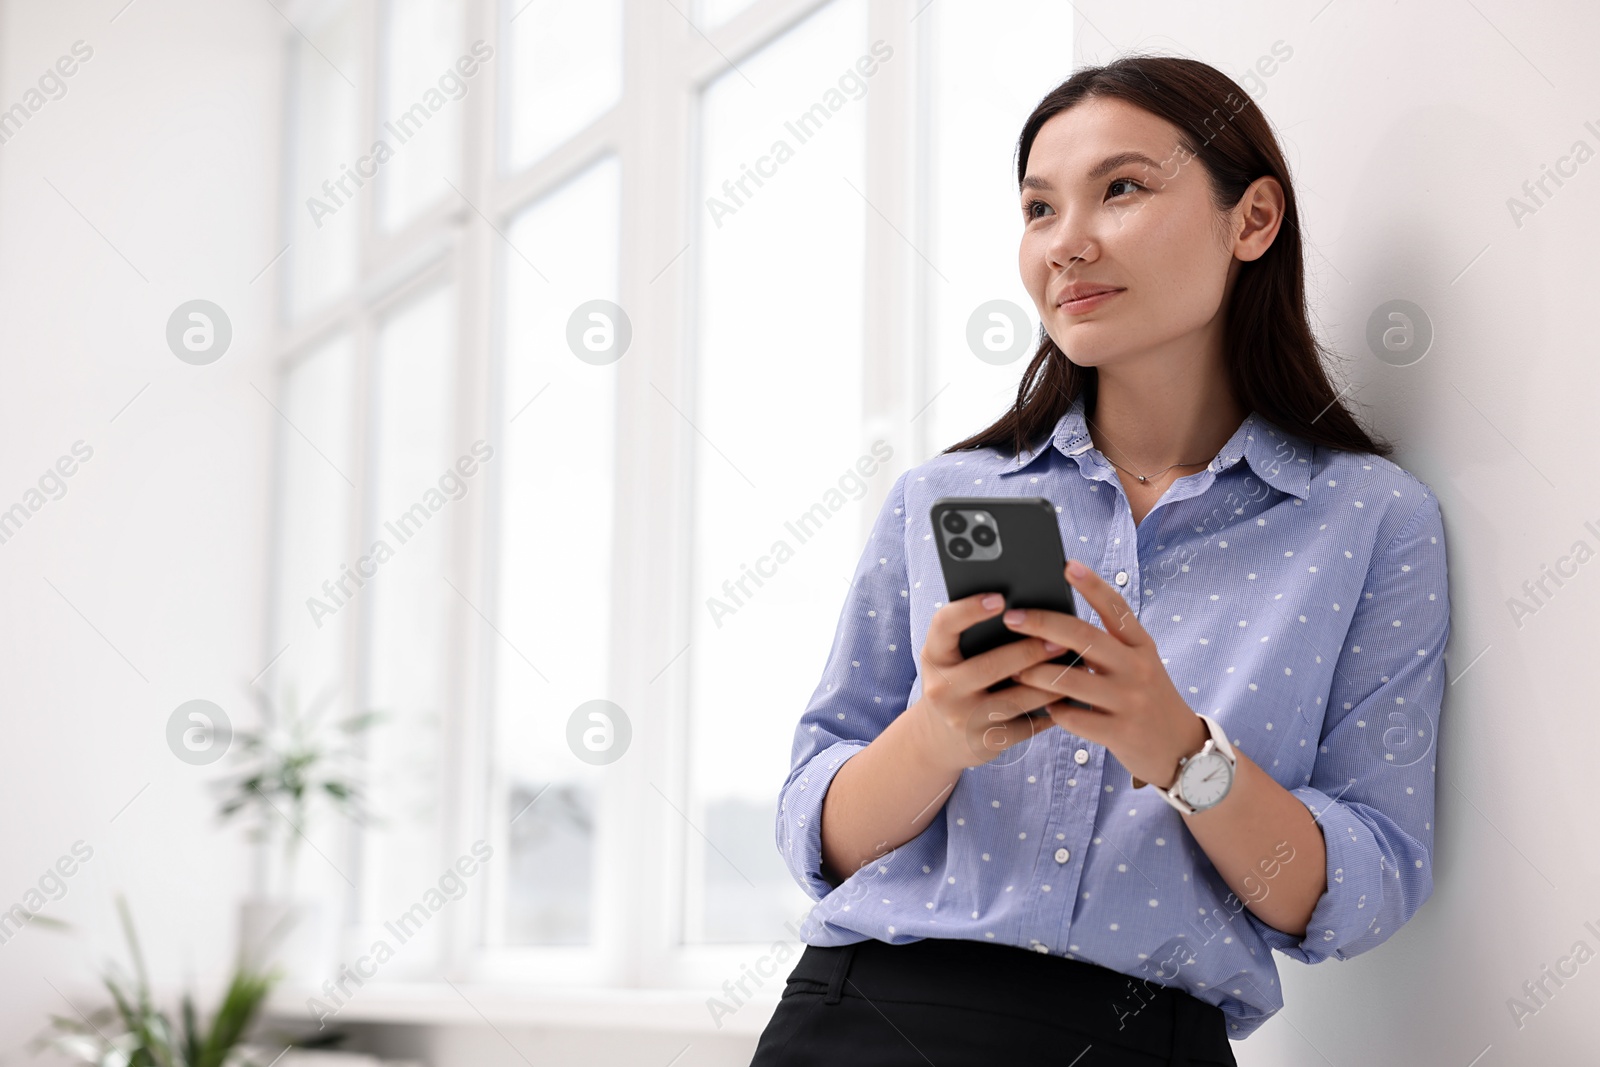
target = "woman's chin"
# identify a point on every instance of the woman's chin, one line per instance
(1087, 355)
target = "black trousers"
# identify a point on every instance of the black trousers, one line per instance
(950, 1002)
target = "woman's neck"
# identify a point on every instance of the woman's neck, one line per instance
(1146, 426)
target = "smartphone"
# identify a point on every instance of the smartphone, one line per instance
(1006, 545)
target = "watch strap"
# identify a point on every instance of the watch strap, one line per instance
(1218, 734)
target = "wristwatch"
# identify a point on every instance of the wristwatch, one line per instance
(1205, 777)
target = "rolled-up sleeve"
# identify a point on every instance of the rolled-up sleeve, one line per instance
(1372, 786)
(866, 683)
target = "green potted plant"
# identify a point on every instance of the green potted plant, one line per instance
(132, 1032)
(291, 766)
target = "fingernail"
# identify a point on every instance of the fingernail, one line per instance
(1051, 646)
(993, 600)
(1076, 569)
(1015, 615)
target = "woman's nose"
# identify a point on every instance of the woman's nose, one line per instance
(1075, 240)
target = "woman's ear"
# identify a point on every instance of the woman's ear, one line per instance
(1256, 218)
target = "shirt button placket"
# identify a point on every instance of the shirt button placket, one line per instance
(1120, 564)
(1068, 822)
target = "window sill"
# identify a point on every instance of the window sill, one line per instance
(446, 1004)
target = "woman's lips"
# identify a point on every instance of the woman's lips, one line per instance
(1088, 303)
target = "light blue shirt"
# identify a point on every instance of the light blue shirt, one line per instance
(1297, 595)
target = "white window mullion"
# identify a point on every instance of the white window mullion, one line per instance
(355, 645)
(639, 932)
(918, 136)
(467, 821)
(371, 60)
(895, 246)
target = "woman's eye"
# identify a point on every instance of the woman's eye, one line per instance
(1027, 209)
(1122, 181)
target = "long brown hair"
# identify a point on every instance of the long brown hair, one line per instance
(1274, 361)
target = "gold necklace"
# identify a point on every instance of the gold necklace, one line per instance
(1143, 478)
(1158, 473)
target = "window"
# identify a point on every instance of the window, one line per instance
(778, 410)
(325, 120)
(659, 288)
(316, 395)
(554, 557)
(421, 40)
(407, 604)
(976, 212)
(564, 71)
(313, 536)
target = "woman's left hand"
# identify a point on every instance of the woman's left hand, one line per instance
(1136, 711)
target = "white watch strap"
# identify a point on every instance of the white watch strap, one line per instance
(1220, 736)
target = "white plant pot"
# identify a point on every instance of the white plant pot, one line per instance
(292, 934)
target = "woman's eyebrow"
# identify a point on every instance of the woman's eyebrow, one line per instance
(1121, 159)
(1104, 167)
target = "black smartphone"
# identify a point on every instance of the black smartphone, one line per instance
(1006, 545)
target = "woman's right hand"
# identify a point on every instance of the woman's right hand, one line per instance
(962, 723)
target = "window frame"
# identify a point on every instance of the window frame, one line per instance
(653, 132)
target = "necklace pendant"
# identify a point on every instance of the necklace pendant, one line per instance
(1142, 478)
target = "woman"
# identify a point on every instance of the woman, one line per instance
(1262, 614)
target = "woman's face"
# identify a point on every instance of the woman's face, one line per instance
(1145, 227)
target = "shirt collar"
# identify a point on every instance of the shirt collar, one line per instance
(1280, 458)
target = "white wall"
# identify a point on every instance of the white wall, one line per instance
(1407, 127)
(165, 142)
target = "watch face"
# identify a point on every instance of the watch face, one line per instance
(1206, 779)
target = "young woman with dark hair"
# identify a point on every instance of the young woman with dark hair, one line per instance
(1262, 614)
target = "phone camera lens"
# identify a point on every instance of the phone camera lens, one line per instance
(954, 522)
(983, 535)
(960, 547)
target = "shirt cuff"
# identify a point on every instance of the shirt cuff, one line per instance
(1351, 902)
(800, 816)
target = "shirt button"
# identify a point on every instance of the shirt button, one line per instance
(1062, 855)
(1122, 577)
(1080, 757)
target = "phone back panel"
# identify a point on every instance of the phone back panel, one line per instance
(1029, 571)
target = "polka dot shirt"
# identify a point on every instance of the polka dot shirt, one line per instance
(1297, 595)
